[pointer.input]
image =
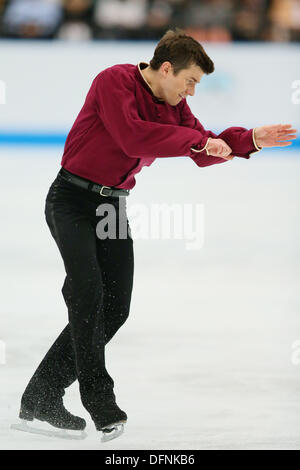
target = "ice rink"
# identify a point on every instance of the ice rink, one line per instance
(210, 356)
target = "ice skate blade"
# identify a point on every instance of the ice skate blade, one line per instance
(112, 431)
(60, 433)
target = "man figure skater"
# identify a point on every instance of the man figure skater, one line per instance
(132, 115)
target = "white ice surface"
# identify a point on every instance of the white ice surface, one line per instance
(205, 359)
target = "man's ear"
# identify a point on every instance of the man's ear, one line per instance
(166, 68)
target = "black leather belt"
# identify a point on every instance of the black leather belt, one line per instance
(91, 186)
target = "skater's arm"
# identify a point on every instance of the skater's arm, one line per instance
(115, 101)
(241, 140)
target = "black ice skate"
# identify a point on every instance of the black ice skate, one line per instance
(55, 414)
(110, 420)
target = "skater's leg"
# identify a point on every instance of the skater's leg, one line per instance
(58, 369)
(61, 226)
(42, 398)
(55, 373)
(83, 293)
(117, 265)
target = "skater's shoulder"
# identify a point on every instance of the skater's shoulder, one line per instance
(118, 71)
(122, 68)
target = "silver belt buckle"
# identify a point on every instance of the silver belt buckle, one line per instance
(105, 187)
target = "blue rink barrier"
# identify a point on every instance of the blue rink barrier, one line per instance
(25, 138)
(55, 139)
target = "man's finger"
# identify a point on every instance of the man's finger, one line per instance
(288, 132)
(286, 126)
(286, 137)
(282, 126)
(282, 144)
(227, 149)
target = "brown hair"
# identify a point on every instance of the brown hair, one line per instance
(182, 51)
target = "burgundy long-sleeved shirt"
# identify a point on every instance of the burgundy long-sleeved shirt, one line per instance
(122, 127)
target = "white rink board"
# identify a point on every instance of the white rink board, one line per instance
(46, 82)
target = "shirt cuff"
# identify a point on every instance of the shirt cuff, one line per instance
(204, 148)
(255, 144)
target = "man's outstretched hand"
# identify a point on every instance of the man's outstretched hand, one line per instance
(278, 135)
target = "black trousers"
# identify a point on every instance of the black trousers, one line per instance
(97, 291)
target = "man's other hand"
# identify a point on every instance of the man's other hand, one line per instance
(218, 148)
(278, 135)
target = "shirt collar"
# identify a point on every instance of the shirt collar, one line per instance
(140, 66)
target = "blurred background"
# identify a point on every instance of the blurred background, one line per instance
(210, 347)
(206, 20)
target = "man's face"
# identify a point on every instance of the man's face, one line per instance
(173, 88)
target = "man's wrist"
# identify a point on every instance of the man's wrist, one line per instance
(203, 148)
(206, 145)
(255, 141)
